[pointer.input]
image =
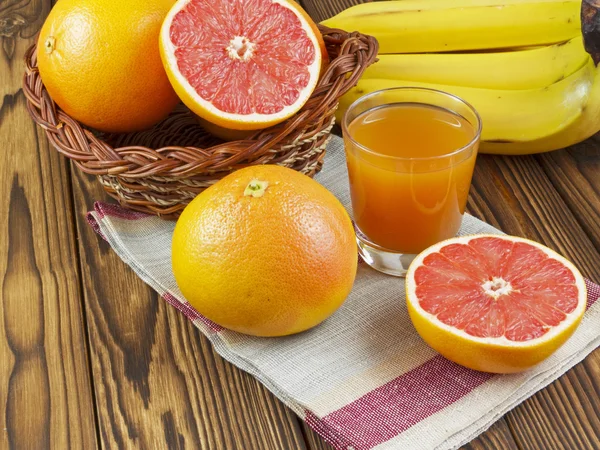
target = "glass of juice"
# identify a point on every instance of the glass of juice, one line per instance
(410, 154)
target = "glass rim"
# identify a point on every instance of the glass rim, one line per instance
(361, 99)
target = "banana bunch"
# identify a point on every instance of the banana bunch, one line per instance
(522, 64)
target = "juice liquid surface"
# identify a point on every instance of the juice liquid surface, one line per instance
(406, 205)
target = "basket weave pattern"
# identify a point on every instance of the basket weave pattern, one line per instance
(160, 170)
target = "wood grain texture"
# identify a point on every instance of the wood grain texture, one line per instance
(575, 174)
(45, 392)
(497, 437)
(20, 20)
(523, 201)
(320, 10)
(313, 440)
(514, 194)
(158, 382)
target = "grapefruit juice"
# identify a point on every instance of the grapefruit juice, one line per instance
(410, 166)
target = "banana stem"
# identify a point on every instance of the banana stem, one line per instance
(590, 28)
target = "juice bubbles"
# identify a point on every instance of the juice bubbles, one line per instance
(410, 165)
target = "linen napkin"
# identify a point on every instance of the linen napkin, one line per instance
(363, 379)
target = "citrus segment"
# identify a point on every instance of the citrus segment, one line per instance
(488, 301)
(241, 64)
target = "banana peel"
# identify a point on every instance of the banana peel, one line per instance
(535, 122)
(508, 115)
(588, 122)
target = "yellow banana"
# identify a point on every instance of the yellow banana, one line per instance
(476, 26)
(526, 69)
(585, 126)
(588, 123)
(510, 115)
(395, 6)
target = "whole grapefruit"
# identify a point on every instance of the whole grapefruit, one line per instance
(265, 251)
(101, 64)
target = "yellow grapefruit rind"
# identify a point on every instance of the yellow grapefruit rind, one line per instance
(90, 72)
(205, 109)
(235, 273)
(497, 355)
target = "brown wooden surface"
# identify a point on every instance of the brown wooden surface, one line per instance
(45, 381)
(90, 357)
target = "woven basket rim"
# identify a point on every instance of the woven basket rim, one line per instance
(296, 142)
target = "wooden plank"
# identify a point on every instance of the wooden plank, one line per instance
(497, 437)
(45, 388)
(159, 384)
(575, 173)
(320, 10)
(523, 201)
(313, 440)
(514, 194)
(565, 414)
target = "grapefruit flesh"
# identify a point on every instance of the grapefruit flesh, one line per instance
(494, 303)
(242, 64)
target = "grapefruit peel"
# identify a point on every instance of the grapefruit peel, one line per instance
(491, 354)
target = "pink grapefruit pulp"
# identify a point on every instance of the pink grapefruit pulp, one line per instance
(242, 64)
(494, 303)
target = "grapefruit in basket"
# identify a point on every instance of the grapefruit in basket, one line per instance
(242, 65)
(265, 251)
(101, 64)
(494, 303)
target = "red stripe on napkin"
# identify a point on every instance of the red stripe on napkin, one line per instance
(391, 409)
(396, 406)
(593, 293)
(92, 222)
(189, 312)
(112, 210)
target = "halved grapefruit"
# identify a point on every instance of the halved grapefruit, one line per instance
(494, 303)
(241, 64)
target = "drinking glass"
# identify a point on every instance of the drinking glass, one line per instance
(403, 198)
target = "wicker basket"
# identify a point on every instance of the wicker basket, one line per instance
(160, 170)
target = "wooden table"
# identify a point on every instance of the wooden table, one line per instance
(91, 357)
